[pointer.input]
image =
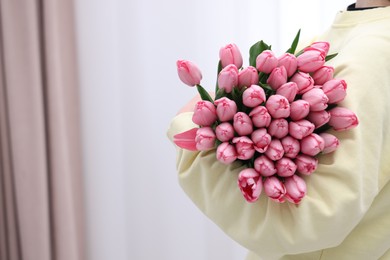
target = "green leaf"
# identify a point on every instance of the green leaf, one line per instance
(220, 93)
(331, 56)
(294, 44)
(204, 94)
(219, 67)
(218, 71)
(255, 50)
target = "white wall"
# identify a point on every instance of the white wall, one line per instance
(129, 93)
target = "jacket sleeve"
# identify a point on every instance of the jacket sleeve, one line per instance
(338, 194)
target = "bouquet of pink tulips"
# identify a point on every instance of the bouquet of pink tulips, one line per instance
(272, 116)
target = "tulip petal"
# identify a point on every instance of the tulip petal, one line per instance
(186, 140)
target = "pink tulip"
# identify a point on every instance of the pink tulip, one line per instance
(331, 143)
(188, 72)
(277, 78)
(342, 118)
(317, 99)
(261, 140)
(266, 61)
(323, 74)
(291, 147)
(299, 109)
(205, 139)
(226, 153)
(226, 109)
(285, 167)
(228, 78)
(278, 128)
(230, 54)
(248, 76)
(289, 90)
(244, 147)
(264, 166)
(319, 118)
(224, 132)
(300, 129)
(275, 150)
(304, 82)
(289, 62)
(242, 124)
(295, 189)
(250, 184)
(322, 46)
(253, 96)
(204, 113)
(260, 117)
(274, 189)
(312, 144)
(186, 140)
(278, 106)
(306, 165)
(311, 60)
(336, 90)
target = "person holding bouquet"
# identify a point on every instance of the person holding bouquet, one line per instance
(341, 208)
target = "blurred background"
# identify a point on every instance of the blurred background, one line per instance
(113, 170)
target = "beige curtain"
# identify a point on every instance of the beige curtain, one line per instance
(41, 214)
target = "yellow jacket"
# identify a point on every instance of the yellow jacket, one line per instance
(346, 212)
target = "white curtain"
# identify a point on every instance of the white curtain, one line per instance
(130, 91)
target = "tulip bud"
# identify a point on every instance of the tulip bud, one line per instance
(261, 140)
(226, 153)
(274, 189)
(188, 72)
(264, 166)
(304, 82)
(299, 109)
(266, 61)
(312, 144)
(311, 60)
(278, 128)
(260, 116)
(278, 106)
(248, 76)
(204, 113)
(242, 124)
(186, 140)
(331, 143)
(322, 46)
(300, 129)
(306, 164)
(275, 150)
(285, 167)
(323, 74)
(291, 147)
(336, 90)
(342, 118)
(205, 139)
(253, 96)
(224, 132)
(319, 118)
(289, 90)
(228, 78)
(289, 62)
(230, 54)
(277, 78)
(250, 184)
(244, 147)
(317, 99)
(226, 109)
(295, 189)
